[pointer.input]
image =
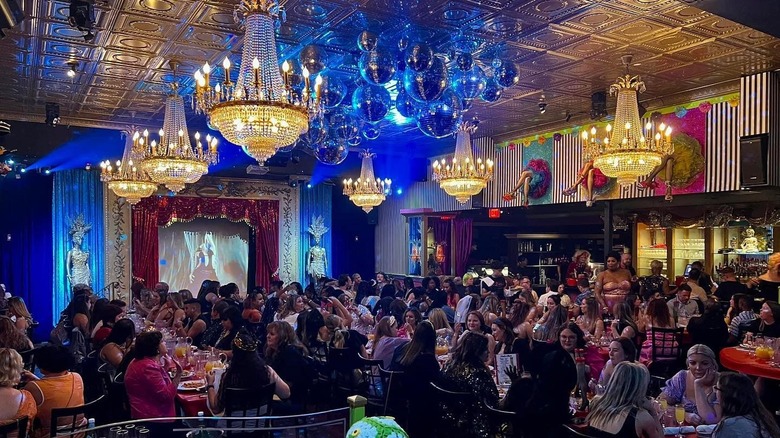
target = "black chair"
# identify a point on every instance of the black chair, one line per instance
(243, 402)
(371, 383)
(118, 400)
(569, 432)
(27, 359)
(666, 353)
(449, 414)
(18, 428)
(78, 417)
(343, 363)
(395, 401)
(655, 386)
(503, 424)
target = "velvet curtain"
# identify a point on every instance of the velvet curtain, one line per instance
(151, 213)
(26, 262)
(442, 236)
(77, 192)
(463, 235)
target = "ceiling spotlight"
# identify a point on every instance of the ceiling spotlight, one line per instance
(568, 116)
(52, 114)
(73, 65)
(542, 105)
(81, 15)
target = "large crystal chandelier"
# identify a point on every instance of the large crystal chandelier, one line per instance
(126, 180)
(626, 151)
(260, 112)
(462, 177)
(173, 161)
(367, 192)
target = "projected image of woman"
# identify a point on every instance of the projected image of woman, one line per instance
(203, 268)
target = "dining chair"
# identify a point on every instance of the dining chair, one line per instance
(503, 424)
(666, 353)
(244, 402)
(16, 428)
(450, 405)
(78, 416)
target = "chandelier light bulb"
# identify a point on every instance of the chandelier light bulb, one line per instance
(255, 63)
(197, 136)
(206, 68)
(181, 133)
(305, 73)
(160, 132)
(286, 66)
(226, 63)
(71, 74)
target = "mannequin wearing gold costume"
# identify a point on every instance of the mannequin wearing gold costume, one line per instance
(317, 259)
(77, 260)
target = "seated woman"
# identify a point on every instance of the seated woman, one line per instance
(624, 411)
(315, 335)
(150, 389)
(284, 352)
(742, 413)
(550, 304)
(386, 340)
(14, 404)
(412, 317)
(110, 315)
(768, 321)
(291, 309)
(694, 387)
(231, 324)
(59, 388)
(214, 327)
(118, 343)
(709, 328)
(171, 311)
(467, 372)
(657, 315)
(548, 331)
(506, 342)
(590, 319)
(620, 350)
(475, 322)
(438, 318)
(624, 324)
(11, 337)
(149, 300)
(520, 316)
(18, 312)
(247, 370)
(490, 309)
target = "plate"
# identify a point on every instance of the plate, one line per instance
(192, 385)
(184, 374)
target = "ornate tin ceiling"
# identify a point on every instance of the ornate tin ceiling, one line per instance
(564, 49)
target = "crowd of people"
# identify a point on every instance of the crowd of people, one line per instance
(288, 336)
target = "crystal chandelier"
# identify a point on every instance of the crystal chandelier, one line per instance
(173, 161)
(626, 151)
(126, 180)
(367, 192)
(462, 177)
(260, 112)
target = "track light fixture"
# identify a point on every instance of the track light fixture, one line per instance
(542, 105)
(73, 65)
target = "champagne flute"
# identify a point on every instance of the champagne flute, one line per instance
(679, 415)
(664, 408)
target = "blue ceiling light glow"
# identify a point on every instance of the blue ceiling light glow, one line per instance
(308, 186)
(399, 192)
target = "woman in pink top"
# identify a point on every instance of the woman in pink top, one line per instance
(149, 388)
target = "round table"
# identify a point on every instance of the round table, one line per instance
(738, 359)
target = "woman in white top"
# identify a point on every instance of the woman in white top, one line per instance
(291, 309)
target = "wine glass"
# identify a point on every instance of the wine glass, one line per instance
(679, 415)
(664, 408)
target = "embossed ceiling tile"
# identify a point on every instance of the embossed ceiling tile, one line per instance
(643, 6)
(55, 74)
(551, 37)
(150, 27)
(125, 57)
(122, 71)
(695, 69)
(13, 57)
(134, 44)
(510, 51)
(638, 30)
(770, 49)
(315, 12)
(457, 14)
(573, 87)
(681, 15)
(111, 82)
(209, 37)
(500, 26)
(114, 93)
(216, 17)
(492, 5)
(589, 47)
(172, 9)
(153, 88)
(672, 41)
(293, 33)
(596, 19)
(658, 64)
(612, 57)
(550, 10)
(60, 48)
(57, 62)
(56, 86)
(14, 41)
(63, 32)
(707, 50)
(751, 38)
(165, 77)
(744, 62)
(714, 77)
(360, 20)
(194, 53)
(338, 40)
(60, 11)
(718, 26)
(549, 61)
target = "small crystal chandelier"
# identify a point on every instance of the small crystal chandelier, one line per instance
(260, 112)
(126, 180)
(173, 161)
(627, 152)
(463, 177)
(367, 192)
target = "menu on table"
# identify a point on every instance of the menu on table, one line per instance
(504, 361)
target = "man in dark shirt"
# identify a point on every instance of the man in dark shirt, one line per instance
(273, 302)
(729, 285)
(705, 281)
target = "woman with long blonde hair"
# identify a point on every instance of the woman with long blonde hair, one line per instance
(438, 318)
(590, 319)
(17, 310)
(624, 410)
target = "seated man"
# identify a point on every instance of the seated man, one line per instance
(682, 304)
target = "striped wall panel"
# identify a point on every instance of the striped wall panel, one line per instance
(390, 237)
(509, 164)
(722, 149)
(567, 162)
(774, 129)
(754, 104)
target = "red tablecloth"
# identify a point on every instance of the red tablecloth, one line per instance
(737, 359)
(192, 402)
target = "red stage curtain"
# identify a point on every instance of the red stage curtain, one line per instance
(145, 245)
(150, 213)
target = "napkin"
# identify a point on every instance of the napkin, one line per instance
(676, 430)
(705, 429)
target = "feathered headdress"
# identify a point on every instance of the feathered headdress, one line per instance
(79, 226)
(317, 227)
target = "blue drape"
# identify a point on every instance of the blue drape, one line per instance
(315, 201)
(77, 192)
(26, 244)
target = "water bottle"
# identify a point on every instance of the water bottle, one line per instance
(91, 425)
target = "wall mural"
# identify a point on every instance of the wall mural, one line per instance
(415, 245)
(533, 184)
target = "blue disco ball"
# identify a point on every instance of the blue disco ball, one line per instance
(367, 41)
(419, 57)
(405, 104)
(291, 146)
(377, 67)
(313, 58)
(344, 126)
(466, 104)
(317, 132)
(440, 118)
(355, 141)
(371, 103)
(465, 61)
(371, 132)
(506, 75)
(332, 152)
(469, 84)
(333, 91)
(492, 91)
(428, 85)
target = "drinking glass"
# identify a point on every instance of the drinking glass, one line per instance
(664, 404)
(143, 433)
(112, 433)
(679, 415)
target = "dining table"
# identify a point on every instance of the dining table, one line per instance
(742, 360)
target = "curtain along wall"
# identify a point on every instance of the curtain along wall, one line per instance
(314, 201)
(76, 192)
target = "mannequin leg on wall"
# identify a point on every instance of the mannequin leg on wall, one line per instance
(667, 165)
(523, 182)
